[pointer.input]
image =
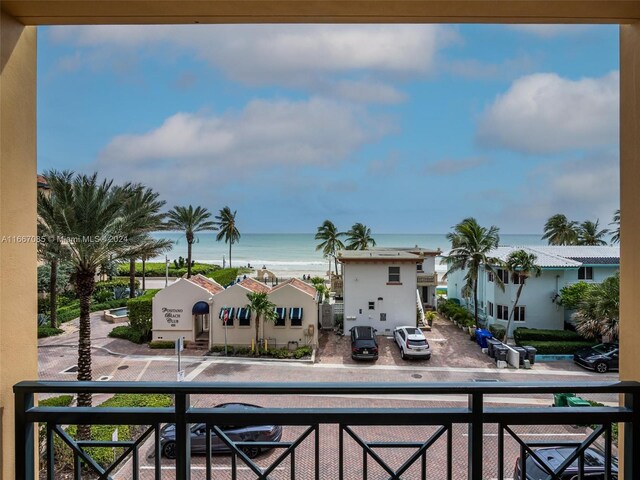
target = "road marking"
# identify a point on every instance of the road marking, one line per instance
(143, 371)
(197, 371)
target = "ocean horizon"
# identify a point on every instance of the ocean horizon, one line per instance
(295, 254)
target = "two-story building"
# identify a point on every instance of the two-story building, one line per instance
(379, 288)
(538, 306)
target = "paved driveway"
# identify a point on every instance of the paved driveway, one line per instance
(449, 345)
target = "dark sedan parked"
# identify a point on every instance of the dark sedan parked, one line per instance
(364, 345)
(601, 358)
(252, 433)
(553, 457)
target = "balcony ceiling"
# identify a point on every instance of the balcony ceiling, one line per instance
(70, 12)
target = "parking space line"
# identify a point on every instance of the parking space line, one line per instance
(143, 371)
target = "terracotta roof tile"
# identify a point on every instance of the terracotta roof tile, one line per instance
(254, 285)
(206, 283)
(300, 285)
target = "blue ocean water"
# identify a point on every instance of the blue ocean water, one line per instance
(295, 254)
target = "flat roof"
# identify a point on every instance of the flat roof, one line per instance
(365, 256)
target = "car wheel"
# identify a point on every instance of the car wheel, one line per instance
(250, 451)
(402, 354)
(427, 357)
(169, 450)
(601, 367)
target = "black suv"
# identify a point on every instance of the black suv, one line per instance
(363, 343)
(594, 464)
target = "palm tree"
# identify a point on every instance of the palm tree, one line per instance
(560, 231)
(359, 237)
(521, 265)
(226, 224)
(588, 233)
(144, 207)
(149, 248)
(471, 247)
(616, 232)
(331, 243)
(598, 313)
(88, 216)
(260, 304)
(50, 248)
(191, 220)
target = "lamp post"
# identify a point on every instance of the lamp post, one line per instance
(166, 270)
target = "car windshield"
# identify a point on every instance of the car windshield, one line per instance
(418, 343)
(605, 348)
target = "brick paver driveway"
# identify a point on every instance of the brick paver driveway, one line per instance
(449, 345)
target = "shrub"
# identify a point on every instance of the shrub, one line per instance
(61, 401)
(127, 333)
(46, 331)
(497, 331)
(160, 344)
(557, 347)
(158, 269)
(302, 352)
(140, 313)
(528, 334)
(224, 276)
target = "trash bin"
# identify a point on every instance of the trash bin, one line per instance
(482, 336)
(522, 352)
(560, 399)
(500, 352)
(491, 343)
(577, 402)
(531, 354)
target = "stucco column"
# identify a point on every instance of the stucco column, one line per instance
(18, 290)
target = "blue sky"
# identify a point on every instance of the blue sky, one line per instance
(406, 128)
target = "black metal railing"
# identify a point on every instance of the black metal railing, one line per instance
(481, 411)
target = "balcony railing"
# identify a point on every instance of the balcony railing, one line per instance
(318, 439)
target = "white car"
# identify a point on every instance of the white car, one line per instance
(412, 343)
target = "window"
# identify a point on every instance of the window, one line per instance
(281, 313)
(490, 276)
(244, 317)
(372, 305)
(518, 279)
(229, 311)
(503, 275)
(585, 273)
(503, 312)
(490, 308)
(394, 274)
(295, 315)
(419, 267)
(383, 317)
(518, 314)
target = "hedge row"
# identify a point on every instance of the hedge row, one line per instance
(452, 310)
(158, 269)
(61, 401)
(46, 331)
(281, 353)
(128, 333)
(72, 311)
(521, 335)
(558, 348)
(497, 331)
(140, 313)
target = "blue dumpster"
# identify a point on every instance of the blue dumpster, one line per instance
(481, 337)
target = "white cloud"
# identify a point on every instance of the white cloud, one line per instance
(451, 166)
(507, 69)
(545, 113)
(550, 30)
(367, 92)
(289, 54)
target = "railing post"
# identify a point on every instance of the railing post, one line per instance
(183, 437)
(631, 464)
(25, 452)
(475, 436)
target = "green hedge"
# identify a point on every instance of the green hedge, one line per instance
(140, 313)
(46, 331)
(497, 331)
(61, 401)
(283, 353)
(158, 269)
(527, 334)
(127, 333)
(558, 348)
(72, 311)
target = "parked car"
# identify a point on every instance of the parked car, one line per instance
(252, 433)
(364, 345)
(594, 464)
(412, 343)
(601, 358)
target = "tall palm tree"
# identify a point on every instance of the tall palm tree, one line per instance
(260, 304)
(598, 313)
(226, 224)
(50, 248)
(560, 231)
(471, 247)
(191, 220)
(521, 265)
(149, 247)
(88, 216)
(144, 206)
(359, 237)
(588, 233)
(331, 243)
(616, 232)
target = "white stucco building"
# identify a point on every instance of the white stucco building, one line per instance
(538, 306)
(296, 308)
(379, 288)
(183, 308)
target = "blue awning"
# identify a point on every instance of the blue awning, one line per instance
(295, 313)
(200, 308)
(244, 314)
(281, 313)
(231, 311)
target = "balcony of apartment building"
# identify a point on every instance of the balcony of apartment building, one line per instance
(464, 428)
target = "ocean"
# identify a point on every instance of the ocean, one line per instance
(294, 254)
